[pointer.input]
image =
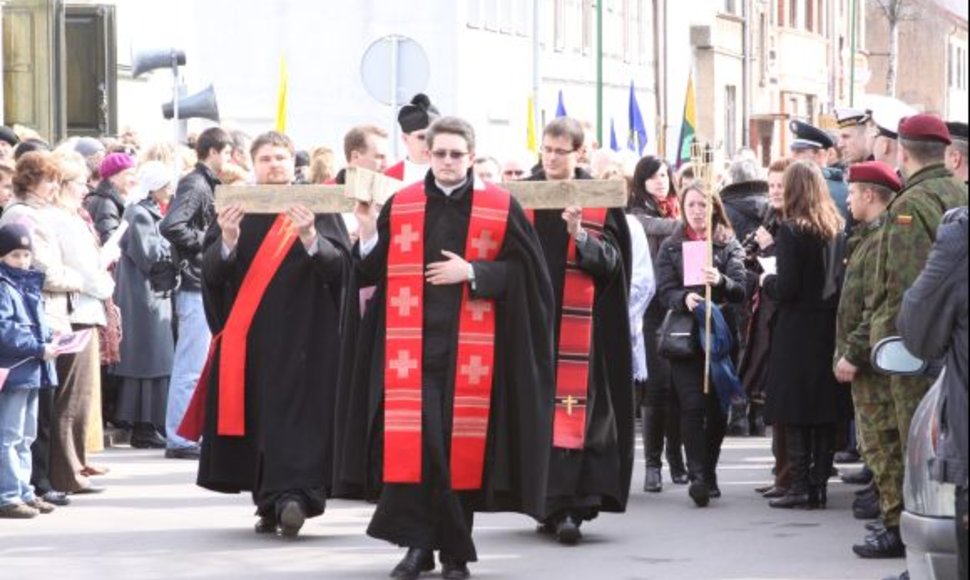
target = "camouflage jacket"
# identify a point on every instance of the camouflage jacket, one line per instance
(906, 238)
(859, 293)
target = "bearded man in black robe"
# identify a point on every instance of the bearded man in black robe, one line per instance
(587, 252)
(441, 454)
(273, 289)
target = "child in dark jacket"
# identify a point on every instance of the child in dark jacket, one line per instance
(25, 368)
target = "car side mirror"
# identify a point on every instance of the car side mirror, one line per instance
(890, 357)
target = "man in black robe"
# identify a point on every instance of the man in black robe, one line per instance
(431, 514)
(596, 477)
(280, 447)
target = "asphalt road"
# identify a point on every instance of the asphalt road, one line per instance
(152, 522)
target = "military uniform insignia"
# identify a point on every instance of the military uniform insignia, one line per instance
(904, 220)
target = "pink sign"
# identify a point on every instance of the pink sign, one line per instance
(695, 260)
(73, 342)
(3, 377)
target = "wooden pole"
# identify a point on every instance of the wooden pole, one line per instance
(709, 186)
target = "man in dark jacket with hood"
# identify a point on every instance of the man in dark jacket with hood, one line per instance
(189, 217)
(933, 324)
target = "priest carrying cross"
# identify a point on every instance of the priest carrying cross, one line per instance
(587, 252)
(460, 377)
(273, 288)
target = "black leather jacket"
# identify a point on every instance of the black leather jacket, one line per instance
(189, 217)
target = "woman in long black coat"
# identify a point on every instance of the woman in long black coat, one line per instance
(654, 203)
(702, 423)
(803, 394)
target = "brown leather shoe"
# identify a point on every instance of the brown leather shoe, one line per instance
(42, 506)
(18, 511)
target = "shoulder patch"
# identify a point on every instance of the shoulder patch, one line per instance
(904, 220)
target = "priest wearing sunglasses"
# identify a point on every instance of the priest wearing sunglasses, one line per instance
(456, 412)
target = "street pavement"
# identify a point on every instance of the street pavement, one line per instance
(154, 523)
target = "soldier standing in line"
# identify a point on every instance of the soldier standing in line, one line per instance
(872, 187)
(904, 244)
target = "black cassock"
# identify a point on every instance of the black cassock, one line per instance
(431, 515)
(584, 482)
(291, 367)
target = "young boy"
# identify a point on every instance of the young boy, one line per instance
(26, 354)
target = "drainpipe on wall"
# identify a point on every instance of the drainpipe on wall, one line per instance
(747, 8)
(599, 72)
(854, 43)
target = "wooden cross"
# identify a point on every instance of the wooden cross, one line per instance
(368, 186)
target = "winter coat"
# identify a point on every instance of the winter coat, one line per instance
(81, 253)
(933, 324)
(188, 218)
(23, 330)
(746, 205)
(106, 208)
(61, 282)
(147, 344)
(802, 389)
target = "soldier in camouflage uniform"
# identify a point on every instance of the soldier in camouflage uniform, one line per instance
(904, 245)
(872, 187)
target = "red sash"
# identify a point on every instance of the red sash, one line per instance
(232, 364)
(475, 360)
(575, 342)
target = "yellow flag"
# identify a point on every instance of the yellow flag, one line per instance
(531, 142)
(281, 98)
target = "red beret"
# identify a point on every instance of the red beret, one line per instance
(876, 173)
(924, 128)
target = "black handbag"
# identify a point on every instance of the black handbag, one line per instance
(677, 337)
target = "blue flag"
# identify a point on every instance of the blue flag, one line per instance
(614, 142)
(561, 108)
(638, 129)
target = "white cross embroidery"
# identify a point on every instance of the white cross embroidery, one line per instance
(475, 370)
(484, 244)
(479, 308)
(406, 238)
(404, 364)
(404, 302)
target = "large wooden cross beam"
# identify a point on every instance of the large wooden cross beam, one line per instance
(368, 186)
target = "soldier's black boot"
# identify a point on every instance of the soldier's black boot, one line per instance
(652, 418)
(797, 444)
(882, 545)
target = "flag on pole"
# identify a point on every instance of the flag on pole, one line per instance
(689, 129)
(531, 140)
(638, 129)
(561, 107)
(614, 142)
(281, 97)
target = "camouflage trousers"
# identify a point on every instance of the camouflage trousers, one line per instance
(884, 408)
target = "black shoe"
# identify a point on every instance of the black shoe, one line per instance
(183, 453)
(775, 493)
(652, 481)
(454, 569)
(679, 477)
(416, 561)
(58, 498)
(903, 576)
(715, 492)
(875, 526)
(867, 509)
(847, 456)
(819, 497)
(881, 546)
(291, 517)
(547, 528)
(700, 493)
(266, 525)
(89, 490)
(792, 501)
(567, 532)
(862, 477)
(764, 489)
(147, 439)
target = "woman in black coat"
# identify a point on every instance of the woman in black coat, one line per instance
(803, 394)
(654, 203)
(702, 423)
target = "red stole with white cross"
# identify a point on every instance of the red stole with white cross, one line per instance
(405, 345)
(575, 342)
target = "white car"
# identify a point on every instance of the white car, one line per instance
(927, 524)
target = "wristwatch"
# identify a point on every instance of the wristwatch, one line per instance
(581, 236)
(471, 277)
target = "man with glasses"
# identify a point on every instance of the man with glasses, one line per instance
(587, 253)
(464, 371)
(414, 118)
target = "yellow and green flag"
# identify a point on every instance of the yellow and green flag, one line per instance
(531, 140)
(688, 130)
(281, 97)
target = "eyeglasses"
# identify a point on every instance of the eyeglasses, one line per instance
(557, 152)
(453, 155)
(513, 173)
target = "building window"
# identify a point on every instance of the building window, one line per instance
(810, 15)
(780, 14)
(731, 119)
(474, 13)
(793, 16)
(631, 22)
(731, 6)
(523, 17)
(589, 26)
